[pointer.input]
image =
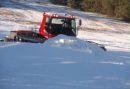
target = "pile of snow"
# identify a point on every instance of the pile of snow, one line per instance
(73, 43)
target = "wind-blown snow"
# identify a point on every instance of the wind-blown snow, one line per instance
(63, 62)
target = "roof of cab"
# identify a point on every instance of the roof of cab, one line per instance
(59, 15)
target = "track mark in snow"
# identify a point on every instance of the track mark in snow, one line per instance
(128, 83)
(68, 62)
(115, 63)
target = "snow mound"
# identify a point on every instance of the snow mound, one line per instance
(68, 42)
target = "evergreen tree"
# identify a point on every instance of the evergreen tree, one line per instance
(108, 7)
(71, 3)
(123, 9)
(114, 8)
(61, 2)
(98, 6)
(88, 5)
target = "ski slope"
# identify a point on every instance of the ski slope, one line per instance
(63, 62)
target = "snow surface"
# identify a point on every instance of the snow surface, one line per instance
(62, 66)
(63, 62)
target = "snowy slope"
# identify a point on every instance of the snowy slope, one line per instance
(63, 62)
(27, 15)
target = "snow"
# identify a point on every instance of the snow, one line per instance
(111, 40)
(63, 62)
(61, 68)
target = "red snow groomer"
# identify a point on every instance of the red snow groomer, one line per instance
(51, 26)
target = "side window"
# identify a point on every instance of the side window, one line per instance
(47, 19)
(73, 24)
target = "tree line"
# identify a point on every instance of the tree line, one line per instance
(113, 8)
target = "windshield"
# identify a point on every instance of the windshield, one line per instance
(57, 26)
